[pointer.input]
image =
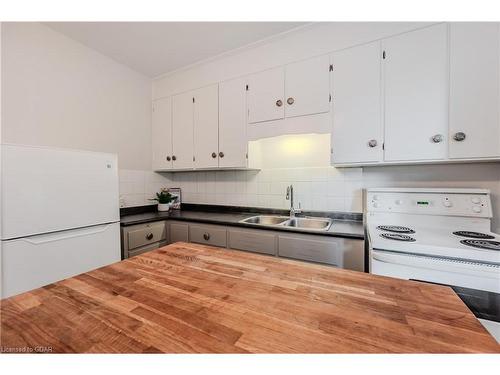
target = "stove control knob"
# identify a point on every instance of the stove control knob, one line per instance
(447, 203)
(399, 202)
(375, 204)
(375, 197)
(475, 200)
(476, 209)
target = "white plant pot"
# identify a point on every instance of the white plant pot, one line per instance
(163, 206)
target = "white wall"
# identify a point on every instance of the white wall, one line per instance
(57, 92)
(313, 40)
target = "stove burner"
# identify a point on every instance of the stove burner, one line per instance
(482, 244)
(398, 237)
(395, 229)
(466, 233)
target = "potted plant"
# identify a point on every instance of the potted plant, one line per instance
(164, 198)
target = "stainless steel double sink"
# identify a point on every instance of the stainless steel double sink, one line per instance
(304, 223)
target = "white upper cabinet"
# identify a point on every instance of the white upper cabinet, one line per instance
(162, 134)
(307, 87)
(206, 127)
(265, 95)
(415, 70)
(182, 131)
(298, 89)
(232, 124)
(474, 90)
(357, 134)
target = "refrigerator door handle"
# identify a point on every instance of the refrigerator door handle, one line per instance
(70, 233)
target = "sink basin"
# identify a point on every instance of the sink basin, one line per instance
(308, 223)
(265, 220)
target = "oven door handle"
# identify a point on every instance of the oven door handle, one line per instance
(423, 261)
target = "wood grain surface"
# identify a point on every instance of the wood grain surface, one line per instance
(186, 298)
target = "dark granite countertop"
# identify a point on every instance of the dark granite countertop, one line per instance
(344, 224)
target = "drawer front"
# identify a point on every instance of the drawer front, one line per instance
(147, 234)
(145, 249)
(313, 250)
(207, 235)
(250, 240)
(179, 232)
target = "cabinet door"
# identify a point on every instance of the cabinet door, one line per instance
(416, 95)
(182, 131)
(232, 124)
(265, 95)
(162, 134)
(357, 112)
(474, 96)
(307, 87)
(179, 232)
(206, 127)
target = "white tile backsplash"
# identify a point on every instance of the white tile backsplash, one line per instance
(267, 187)
(138, 186)
(319, 189)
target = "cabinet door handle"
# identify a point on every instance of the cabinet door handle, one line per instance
(174, 158)
(214, 155)
(149, 236)
(372, 143)
(459, 137)
(221, 154)
(169, 158)
(290, 101)
(279, 103)
(438, 138)
(206, 236)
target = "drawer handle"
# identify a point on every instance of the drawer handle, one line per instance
(206, 236)
(149, 236)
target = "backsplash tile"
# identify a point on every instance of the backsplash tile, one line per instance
(138, 186)
(267, 187)
(317, 189)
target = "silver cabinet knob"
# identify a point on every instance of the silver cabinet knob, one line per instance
(206, 236)
(149, 236)
(169, 158)
(372, 143)
(459, 137)
(438, 138)
(174, 158)
(221, 154)
(290, 101)
(279, 103)
(214, 155)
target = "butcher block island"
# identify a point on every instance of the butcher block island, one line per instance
(187, 298)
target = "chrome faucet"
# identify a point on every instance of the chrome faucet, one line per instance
(289, 196)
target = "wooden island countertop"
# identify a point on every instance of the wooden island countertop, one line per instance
(186, 298)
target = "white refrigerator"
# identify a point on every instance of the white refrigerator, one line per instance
(60, 215)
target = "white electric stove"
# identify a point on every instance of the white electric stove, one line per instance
(434, 235)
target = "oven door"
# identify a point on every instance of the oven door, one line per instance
(439, 270)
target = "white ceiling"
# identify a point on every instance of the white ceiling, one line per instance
(155, 48)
